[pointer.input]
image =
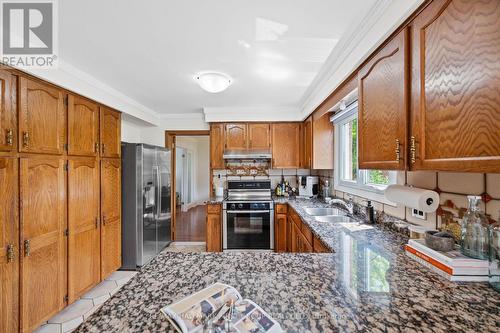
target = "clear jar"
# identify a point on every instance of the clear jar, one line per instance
(475, 235)
(494, 271)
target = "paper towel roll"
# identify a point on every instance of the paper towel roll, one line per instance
(413, 197)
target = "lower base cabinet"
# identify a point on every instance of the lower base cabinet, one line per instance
(43, 241)
(214, 228)
(9, 246)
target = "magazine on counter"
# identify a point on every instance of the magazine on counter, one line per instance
(221, 305)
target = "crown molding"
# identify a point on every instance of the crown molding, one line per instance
(251, 114)
(381, 20)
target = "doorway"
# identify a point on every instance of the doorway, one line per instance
(191, 184)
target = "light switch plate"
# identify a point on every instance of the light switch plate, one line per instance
(418, 214)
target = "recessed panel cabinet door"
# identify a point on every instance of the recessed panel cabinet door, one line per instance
(42, 123)
(383, 107)
(83, 225)
(217, 146)
(110, 132)
(110, 217)
(236, 136)
(9, 247)
(7, 113)
(43, 259)
(456, 87)
(83, 127)
(259, 136)
(285, 143)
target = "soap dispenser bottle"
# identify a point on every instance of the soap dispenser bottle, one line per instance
(494, 267)
(475, 233)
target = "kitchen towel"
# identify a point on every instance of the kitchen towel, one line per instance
(413, 197)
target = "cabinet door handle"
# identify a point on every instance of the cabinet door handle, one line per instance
(10, 253)
(413, 150)
(27, 248)
(104, 220)
(96, 147)
(26, 139)
(103, 147)
(96, 222)
(398, 151)
(9, 137)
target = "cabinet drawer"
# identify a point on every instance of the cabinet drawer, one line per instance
(280, 208)
(213, 208)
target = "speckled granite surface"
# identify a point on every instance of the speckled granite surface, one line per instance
(367, 285)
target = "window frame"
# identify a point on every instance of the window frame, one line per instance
(359, 187)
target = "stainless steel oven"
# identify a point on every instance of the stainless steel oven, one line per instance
(248, 225)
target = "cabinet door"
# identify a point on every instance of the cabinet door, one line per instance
(214, 233)
(383, 107)
(7, 113)
(306, 246)
(236, 136)
(43, 260)
(217, 146)
(111, 251)
(42, 121)
(319, 247)
(308, 140)
(83, 127)
(110, 132)
(294, 238)
(259, 136)
(322, 143)
(280, 232)
(9, 247)
(83, 226)
(456, 87)
(285, 143)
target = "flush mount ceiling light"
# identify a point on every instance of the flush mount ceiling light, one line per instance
(213, 82)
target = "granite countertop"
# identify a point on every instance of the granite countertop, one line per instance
(368, 284)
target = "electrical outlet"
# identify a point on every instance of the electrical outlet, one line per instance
(418, 214)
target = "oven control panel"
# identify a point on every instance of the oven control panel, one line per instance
(248, 206)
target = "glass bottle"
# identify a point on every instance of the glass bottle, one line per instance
(494, 271)
(475, 235)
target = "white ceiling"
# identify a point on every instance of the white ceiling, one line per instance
(151, 50)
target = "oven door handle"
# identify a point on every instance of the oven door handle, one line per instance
(247, 211)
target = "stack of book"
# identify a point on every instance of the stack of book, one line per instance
(452, 265)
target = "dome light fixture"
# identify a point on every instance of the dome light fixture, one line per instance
(213, 82)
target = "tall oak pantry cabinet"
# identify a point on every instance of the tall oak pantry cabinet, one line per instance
(60, 222)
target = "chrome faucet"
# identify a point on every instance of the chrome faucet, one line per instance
(348, 205)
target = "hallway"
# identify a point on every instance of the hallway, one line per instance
(190, 226)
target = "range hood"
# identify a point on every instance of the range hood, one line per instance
(247, 155)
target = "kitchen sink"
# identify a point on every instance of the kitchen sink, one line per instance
(334, 218)
(323, 211)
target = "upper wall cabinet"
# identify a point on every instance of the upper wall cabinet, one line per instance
(7, 113)
(217, 146)
(42, 127)
(236, 136)
(83, 127)
(456, 87)
(285, 145)
(259, 136)
(383, 107)
(322, 143)
(110, 132)
(306, 145)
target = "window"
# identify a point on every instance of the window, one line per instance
(346, 160)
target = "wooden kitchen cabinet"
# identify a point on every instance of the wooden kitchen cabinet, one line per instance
(217, 146)
(455, 87)
(285, 145)
(43, 258)
(319, 247)
(322, 143)
(8, 119)
(42, 117)
(9, 246)
(214, 228)
(383, 107)
(110, 132)
(307, 143)
(83, 126)
(236, 136)
(83, 226)
(280, 228)
(111, 256)
(259, 136)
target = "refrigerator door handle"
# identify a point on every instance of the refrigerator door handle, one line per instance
(158, 189)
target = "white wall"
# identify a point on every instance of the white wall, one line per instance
(200, 149)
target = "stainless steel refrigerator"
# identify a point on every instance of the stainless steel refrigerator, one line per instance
(146, 211)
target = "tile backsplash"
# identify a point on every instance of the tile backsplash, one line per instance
(273, 174)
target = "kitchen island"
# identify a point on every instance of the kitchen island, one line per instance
(366, 284)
